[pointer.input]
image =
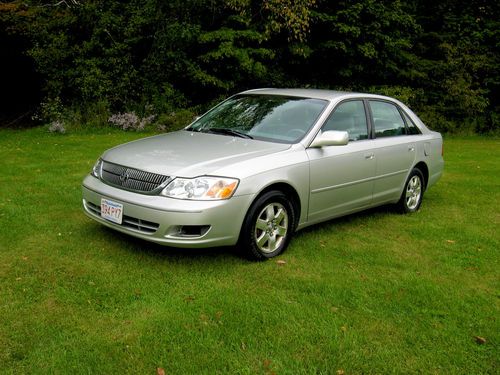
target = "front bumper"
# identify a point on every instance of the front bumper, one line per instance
(164, 220)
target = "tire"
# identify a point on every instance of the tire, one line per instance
(268, 226)
(412, 195)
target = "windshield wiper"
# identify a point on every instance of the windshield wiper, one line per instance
(228, 132)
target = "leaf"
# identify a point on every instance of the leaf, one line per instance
(450, 241)
(343, 329)
(340, 372)
(280, 262)
(266, 364)
(204, 318)
(480, 340)
(218, 315)
(160, 371)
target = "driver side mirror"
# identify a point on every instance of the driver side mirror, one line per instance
(330, 138)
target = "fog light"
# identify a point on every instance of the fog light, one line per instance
(188, 230)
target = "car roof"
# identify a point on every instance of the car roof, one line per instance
(314, 93)
(335, 97)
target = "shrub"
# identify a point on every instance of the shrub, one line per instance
(130, 121)
(57, 127)
(49, 111)
(175, 120)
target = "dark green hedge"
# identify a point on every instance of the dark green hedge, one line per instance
(441, 57)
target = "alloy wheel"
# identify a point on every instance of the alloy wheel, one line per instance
(413, 192)
(271, 227)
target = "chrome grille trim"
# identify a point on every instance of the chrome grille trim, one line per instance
(140, 225)
(96, 210)
(131, 178)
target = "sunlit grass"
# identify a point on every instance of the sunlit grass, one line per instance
(376, 292)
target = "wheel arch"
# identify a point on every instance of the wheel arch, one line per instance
(422, 166)
(290, 192)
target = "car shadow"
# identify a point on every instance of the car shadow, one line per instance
(226, 253)
(352, 219)
(151, 249)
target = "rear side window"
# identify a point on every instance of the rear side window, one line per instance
(410, 125)
(350, 117)
(387, 120)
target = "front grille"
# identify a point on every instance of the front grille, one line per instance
(131, 178)
(140, 225)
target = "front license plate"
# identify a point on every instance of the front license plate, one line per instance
(111, 211)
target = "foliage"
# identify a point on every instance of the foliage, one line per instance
(362, 43)
(50, 110)
(175, 120)
(441, 56)
(57, 127)
(292, 16)
(457, 59)
(130, 121)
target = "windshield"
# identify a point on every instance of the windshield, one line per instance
(265, 117)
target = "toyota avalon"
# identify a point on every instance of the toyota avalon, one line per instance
(263, 164)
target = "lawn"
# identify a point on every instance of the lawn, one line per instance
(375, 292)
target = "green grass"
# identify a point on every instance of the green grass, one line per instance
(376, 292)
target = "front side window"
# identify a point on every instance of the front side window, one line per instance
(387, 120)
(350, 117)
(272, 118)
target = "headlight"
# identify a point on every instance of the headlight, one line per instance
(96, 170)
(201, 188)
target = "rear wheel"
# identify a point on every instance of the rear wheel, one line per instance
(411, 199)
(268, 226)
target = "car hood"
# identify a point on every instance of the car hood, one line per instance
(189, 154)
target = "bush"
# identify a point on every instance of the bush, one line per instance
(49, 111)
(130, 121)
(175, 120)
(57, 127)
(408, 95)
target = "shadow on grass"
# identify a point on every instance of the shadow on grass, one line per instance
(134, 245)
(137, 246)
(351, 219)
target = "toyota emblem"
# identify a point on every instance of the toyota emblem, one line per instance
(124, 176)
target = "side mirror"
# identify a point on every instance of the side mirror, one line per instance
(330, 138)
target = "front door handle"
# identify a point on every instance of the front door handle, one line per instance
(411, 148)
(369, 156)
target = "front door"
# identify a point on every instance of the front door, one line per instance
(341, 177)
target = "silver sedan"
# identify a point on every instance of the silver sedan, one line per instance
(263, 164)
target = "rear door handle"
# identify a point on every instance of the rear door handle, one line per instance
(369, 156)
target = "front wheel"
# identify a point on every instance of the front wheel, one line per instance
(411, 199)
(268, 226)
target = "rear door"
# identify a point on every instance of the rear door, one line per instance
(394, 150)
